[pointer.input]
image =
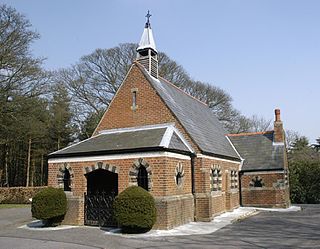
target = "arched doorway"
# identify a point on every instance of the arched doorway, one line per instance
(102, 188)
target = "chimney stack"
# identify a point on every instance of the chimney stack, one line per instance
(278, 136)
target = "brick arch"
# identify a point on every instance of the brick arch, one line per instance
(100, 165)
(133, 173)
(62, 168)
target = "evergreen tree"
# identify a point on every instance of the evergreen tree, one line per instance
(60, 126)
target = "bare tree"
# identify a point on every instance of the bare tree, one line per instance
(93, 81)
(291, 138)
(20, 72)
(258, 124)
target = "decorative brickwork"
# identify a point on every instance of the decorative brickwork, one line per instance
(100, 165)
(60, 176)
(133, 173)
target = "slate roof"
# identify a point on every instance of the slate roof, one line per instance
(196, 117)
(127, 140)
(258, 151)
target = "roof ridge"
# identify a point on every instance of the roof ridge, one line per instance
(170, 83)
(250, 133)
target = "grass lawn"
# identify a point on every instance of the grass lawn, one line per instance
(14, 205)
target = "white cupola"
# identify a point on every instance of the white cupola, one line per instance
(147, 54)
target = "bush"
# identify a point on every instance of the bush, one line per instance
(135, 210)
(50, 206)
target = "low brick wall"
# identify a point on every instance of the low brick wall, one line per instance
(18, 195)
(75, 212)
(218, 203)
(174, 211)
(273, 193)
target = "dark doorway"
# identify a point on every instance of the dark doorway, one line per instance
(102, 188)
(143, 178)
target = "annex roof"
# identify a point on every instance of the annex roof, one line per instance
(145, 138)
(259, 151)
(196, 117)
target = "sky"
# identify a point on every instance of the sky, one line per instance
(265, 54)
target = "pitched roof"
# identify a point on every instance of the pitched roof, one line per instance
(161, 137)
(259, 151)
(196, 117)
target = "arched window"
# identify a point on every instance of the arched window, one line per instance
(143, 178)
(66, 180)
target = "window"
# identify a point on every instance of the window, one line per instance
(216, 178)
(134, 105)
(179, 174)
(134, 99)
(66, 180)
(142, 178)
(256, 182)
(234, 179)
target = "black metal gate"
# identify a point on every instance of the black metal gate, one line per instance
(98, 209)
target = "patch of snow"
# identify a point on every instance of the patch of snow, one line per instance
(38, 225)
(195, 228)
(289, 209)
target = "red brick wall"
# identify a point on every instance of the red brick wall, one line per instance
(210, 203)
(174, 203)
(151, 109)
(274, 193)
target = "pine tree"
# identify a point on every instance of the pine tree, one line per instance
(60, 126)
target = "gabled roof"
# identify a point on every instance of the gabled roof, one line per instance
(155, 137)
(259, 151)
(195, 116)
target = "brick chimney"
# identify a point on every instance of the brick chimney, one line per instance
(278, 128)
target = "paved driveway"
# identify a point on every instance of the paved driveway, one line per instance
(265, 230)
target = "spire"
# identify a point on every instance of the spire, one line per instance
(146, 51)
(147, 41)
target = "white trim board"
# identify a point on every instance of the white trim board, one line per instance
(217, 158)
(118, 157)
(137, 128)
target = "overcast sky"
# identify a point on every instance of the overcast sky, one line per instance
(266, 54)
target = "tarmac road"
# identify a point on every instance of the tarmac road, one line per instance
(265, 230)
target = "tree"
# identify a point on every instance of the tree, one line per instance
(316, 146)
(304, 168)
(22, 106)
(20, 72)
(258, 124)
(94, 80)
(60, 127)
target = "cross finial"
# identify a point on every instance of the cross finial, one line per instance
(148, 19)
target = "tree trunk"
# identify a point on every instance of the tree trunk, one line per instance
(6, 147)
(41, 171)
(28, 163)
(33, 169)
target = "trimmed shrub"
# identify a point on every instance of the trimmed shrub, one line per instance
(135, 210)
(50, 206)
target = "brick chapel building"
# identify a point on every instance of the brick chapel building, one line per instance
(158, 137)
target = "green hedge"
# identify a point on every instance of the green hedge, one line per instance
(135, 210)
(50, 206)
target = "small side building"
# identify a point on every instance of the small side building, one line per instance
(264, 172)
